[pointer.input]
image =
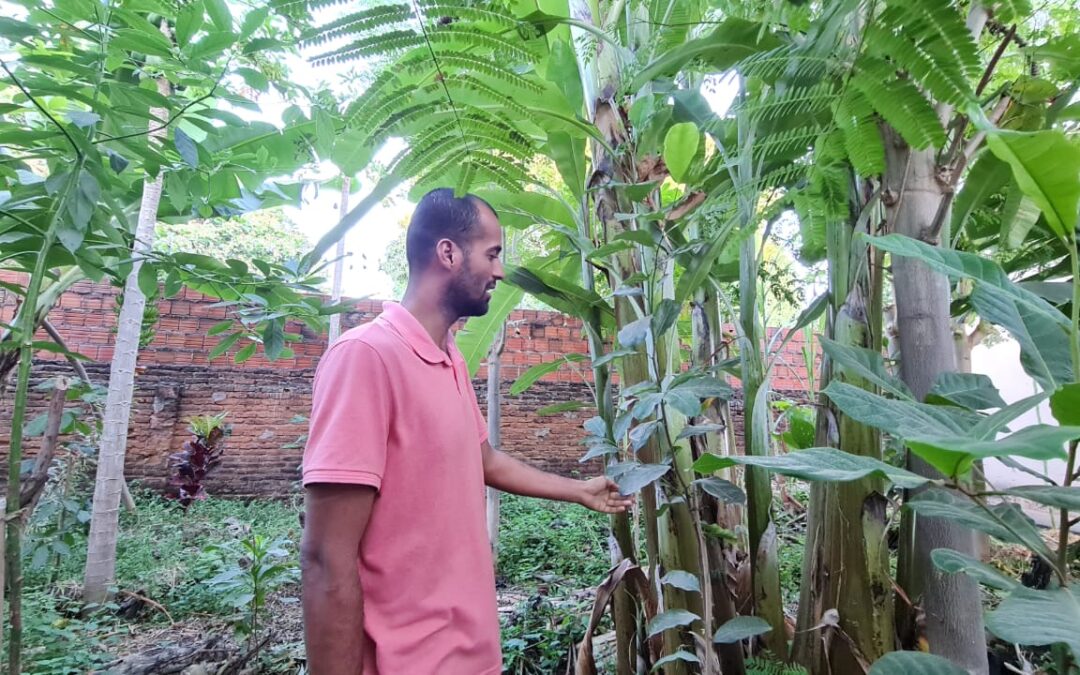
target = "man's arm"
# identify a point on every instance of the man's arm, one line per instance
(335, 517)
(505, 473)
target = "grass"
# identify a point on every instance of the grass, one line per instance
(547, 552)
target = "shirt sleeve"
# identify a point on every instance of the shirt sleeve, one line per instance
(350, 417)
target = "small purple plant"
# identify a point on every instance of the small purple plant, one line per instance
(198, 457)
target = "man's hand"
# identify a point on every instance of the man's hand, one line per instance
(602, 494)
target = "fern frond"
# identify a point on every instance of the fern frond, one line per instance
(786, 142)
(450, 36)
(506, 181)
(795, 102)
(474, 85)
(391, 42)
(475, 64)
(946, 82)
(862, 139)
(447, 9)
(493, 125)
(770, 66)
(378, 109)
(899, 102)
(403, 118)
(357, 23)
(305, 6)
(434, 154)
(464, 181)
(930, 40)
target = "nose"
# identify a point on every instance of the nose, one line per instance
(498, 272)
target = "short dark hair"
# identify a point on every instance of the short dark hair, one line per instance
(441, 215)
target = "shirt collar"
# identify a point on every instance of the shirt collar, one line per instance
(408, 327)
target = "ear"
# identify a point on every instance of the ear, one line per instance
(447, 253)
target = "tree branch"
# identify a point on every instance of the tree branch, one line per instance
(994, 60)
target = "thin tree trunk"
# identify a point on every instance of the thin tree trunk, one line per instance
(494, 421)
(339, 266)
(949, 604)
(108, 484)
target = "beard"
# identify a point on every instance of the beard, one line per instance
(467, 295)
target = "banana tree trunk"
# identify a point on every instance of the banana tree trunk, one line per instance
(951, 603)
(100, 570)
(846, 566)
(720, 554)
(764, 564)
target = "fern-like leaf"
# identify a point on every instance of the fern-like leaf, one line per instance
(391, 42)
(470, 83)
(474, 64)
(795, 102)
(357, 23)
(945, 81)
(862, 138)
(899, 102)
(451, 36)
(451, 10)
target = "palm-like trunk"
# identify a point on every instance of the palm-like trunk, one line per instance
(100, 568)
(951, 603)
(846, 565)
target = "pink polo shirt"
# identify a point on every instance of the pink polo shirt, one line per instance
(392, 410)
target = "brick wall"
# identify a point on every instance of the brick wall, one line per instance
(176, 381)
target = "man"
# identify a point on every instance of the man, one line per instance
(397, 570)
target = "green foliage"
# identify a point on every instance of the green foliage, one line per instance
(267, 235)
(253, 567)
(545, 541)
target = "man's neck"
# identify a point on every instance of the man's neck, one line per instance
(433, 316)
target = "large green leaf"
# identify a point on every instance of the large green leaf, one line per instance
(568, 152)
(530, 376)
(970, 390)
(475, 338)
(741, 628)
(867, 364)
(954, 455)
(1044, 343)
(987, 176)
(827, 465)
(961, 265)
(914, 663)
(680, 144)
(561, 294)
(988, 427)
(1065, 403)
(1057, 496)
(673, 618)
(1046, 165)
(1039, 617)
(1006, 522)
(948, 560)
(730, 42)
(898, 418)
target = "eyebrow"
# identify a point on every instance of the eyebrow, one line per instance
(495, 249)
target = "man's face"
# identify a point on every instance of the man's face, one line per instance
(470, 290)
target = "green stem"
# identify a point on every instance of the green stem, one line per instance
(26, 323)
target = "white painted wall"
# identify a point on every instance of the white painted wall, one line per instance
(1001, 362)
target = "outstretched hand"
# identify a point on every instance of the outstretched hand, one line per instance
(602, 494)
